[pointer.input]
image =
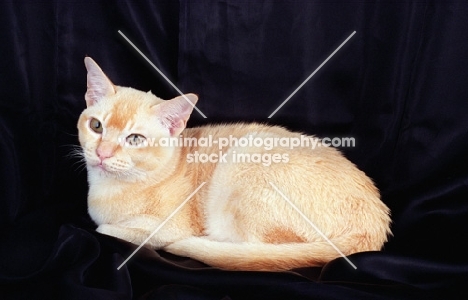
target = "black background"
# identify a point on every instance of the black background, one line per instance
(399, 87)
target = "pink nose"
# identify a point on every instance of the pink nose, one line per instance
(105, 151)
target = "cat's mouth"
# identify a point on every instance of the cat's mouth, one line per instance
(101, 167)
(96, 164)
(104, 171)
(106, 168)
(112, 168)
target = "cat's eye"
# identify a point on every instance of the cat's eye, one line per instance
(95, 125)
(135, 139)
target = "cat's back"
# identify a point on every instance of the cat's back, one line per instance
(231, 149)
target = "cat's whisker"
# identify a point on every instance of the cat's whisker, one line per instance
(81, 168)
(80, 165)
(77, 154)
(70, 134)
(76, 151)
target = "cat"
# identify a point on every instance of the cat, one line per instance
(239, 219)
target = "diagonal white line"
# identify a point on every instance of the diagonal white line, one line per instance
(310, 76)
(313, 225)
(161, 73)
(161, 225)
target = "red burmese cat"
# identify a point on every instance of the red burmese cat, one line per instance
(239, 219)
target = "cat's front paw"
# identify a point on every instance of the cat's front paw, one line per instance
(111, 230)
(132, 235)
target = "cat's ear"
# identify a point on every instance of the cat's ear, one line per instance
(175, 113)
(99, 85)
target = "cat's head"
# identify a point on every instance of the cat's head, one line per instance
(119, 128)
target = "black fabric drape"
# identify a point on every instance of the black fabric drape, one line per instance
(398, 87)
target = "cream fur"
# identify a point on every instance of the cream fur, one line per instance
(237, 221)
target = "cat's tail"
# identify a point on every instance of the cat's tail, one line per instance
(256, 256)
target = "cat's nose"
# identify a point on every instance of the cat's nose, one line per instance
(105, 151)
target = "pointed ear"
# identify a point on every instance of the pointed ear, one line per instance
(175, 113)
(99, 85)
